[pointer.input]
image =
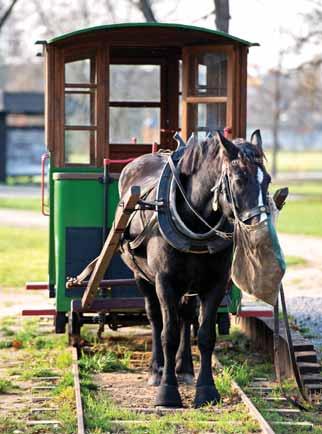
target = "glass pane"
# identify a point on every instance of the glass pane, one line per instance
(135, 83)
(78, 71)
(77, 109)
(77, 146)
(208, 117)
(209, 74)
(134, 125)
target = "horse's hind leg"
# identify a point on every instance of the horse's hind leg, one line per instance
(206, 392)
(168, 393)
(153, 311)
(184, 365)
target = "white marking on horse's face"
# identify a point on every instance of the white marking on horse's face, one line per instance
(260, 179)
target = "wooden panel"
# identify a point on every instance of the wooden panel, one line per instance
(49, 98)
(243, 92)
(206, 99)
(170, 102)
(134, 104)
(59, 108)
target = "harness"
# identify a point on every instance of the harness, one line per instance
(172, 227)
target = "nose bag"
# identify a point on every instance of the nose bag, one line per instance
(258, 262)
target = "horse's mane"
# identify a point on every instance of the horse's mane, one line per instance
(196, 153)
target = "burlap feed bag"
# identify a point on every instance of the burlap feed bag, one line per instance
(258, 262)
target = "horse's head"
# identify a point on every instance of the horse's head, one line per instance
(242, 190)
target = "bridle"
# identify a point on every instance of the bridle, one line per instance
(223, 185)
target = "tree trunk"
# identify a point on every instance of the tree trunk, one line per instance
(146, 9)
(222, 15)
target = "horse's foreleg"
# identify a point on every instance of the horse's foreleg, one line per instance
(168, 394)
(206, 391)
(184, 365)
(153, 311)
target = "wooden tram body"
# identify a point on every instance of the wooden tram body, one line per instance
(111, 92)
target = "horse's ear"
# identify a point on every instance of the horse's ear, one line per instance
(229, 148)
(256, 140)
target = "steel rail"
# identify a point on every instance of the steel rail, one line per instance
(264, 425)
(78, 396)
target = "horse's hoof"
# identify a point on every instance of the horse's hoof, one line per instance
(185, 379)
(206, 395)
(168, 396)
(154, 380)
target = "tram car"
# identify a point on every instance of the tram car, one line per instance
(113, 93)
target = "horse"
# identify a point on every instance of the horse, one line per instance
(220, 180)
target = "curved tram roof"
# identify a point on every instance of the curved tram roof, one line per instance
(173, 26)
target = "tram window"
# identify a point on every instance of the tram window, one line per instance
(135, 83)
(134, 124)
(209, 117)
(78, 71)
(77, 146)
(209, 77)
(77, 109)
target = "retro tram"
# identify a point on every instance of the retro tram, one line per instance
(113, 93)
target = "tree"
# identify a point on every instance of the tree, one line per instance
(222, 15)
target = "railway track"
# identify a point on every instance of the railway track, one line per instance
(277, 410)
(266, 404)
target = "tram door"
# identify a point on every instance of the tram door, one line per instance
(207, 90)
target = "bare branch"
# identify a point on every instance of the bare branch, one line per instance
(7, 13)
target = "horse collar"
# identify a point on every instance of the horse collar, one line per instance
(171, 226)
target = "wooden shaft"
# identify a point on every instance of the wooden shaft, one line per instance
(111, 244)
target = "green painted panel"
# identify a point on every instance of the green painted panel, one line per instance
(77, 203)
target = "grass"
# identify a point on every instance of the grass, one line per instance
(22, 203)
(292, 161)
(24, 256)
(307, 188)
(105, 362)
(40, 356)
(6, 386)
(293, 261)
(301, 217)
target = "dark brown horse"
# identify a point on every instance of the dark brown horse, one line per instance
(215, 175)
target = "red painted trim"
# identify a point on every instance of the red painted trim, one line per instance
(256, 313)
(36, 285)
(38, 312)
(108, 161)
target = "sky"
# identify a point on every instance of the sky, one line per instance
(271, 23)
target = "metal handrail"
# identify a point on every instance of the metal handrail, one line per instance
(44, 157)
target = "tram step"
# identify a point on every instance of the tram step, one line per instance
(314, 388)
(312, 378)
(302, 346)
(308, 367)
(306, 356)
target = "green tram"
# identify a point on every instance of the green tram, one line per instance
(113, 93)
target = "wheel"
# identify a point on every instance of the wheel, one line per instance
(74, 329)
(60, 322)
(223, 321)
